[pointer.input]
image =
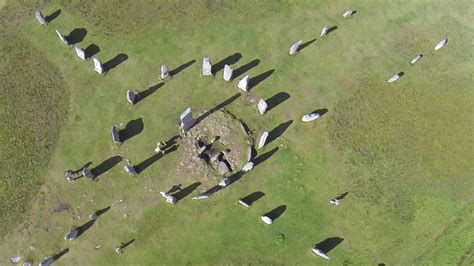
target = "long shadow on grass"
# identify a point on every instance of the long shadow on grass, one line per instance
(114, 62)
(76, 35)
(53, 15)
(145, 93)
(321, 111)
(91, 50)
(83, 228)
(329, 244)
(133, 128)
(241, 70)
(276, 213)
(277, 99)
(257, 79)
(231, 59)
(152, 159)
(278, 131)
(343, 195)
(262, 158)
(181, 68)
(106, 165)
(331, 29)
(218, 107)
(250, 199)
(59, 255)
(186, 191)
(304, 45)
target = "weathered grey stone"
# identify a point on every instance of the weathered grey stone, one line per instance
(115, 134)
(262, 106)
(227, 76)
(348, 13)
(71, 235)
(201, 196)
(324, 31)
(247, 167)
(130, 170)
(244, 203)
(266, 219)
(98, 65)
(63, 39)
(223, 168)
(206, 67)
(263, 139)
(164, 71)
(46, 261)
(224, 182)
(295, 47)
(310, 117)
(187, 120)
(131, 96)
(80, 53)
(249, 153)
(393, 78)
(416, 59)
(15, 260)
(244, 83)
(441, 44)
(320, 253)
(169, 198)
(40, 18)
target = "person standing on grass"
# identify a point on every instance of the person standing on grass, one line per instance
(69, 175)
(160, 147)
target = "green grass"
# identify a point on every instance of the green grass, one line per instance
(403, 151)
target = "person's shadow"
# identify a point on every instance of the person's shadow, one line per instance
(329, 244)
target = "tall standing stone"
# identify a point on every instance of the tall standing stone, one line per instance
(115, 134)
(206, 67)
(324, 31)
(262, 106)
(394, 78)
(348, 13)
(262, 140)
(63, 39)
(244, 83)
(416, 59)
(227, 73)
(295, 47)
(441, 44)
(80, 53)
(98, 65)
(164, 71)
(131, 96)
(40, 18)
(187, 120)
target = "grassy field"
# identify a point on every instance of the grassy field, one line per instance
(402, 151)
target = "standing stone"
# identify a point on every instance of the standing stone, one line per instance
(115, 134)
(224, 182)
(223, 168)
(227, 73)
(87, 172)
(40, 18)
(266, 219)
(80, 53)
(187, 120)
(441, 44)
(348, 13)
(320, 253)
(98, 65)
(262, 106)
(244, 83)
(130, 170)
(131, 96)
(206, 67)
(416, 59)
(263, 139)
(324, 31)
(393, 78)
(201, 196)
(71, 235)
(164, 71)
(310, 117)
(63, 39)
(249, 153)
(295, 47)
(247, 167)
(169, 198)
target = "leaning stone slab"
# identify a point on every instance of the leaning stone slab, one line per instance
(348, 13)
(244, 203)
(169, 198)
(393, 78)
(324, 31)
(206, 67)
(263, 139)
(295, 47)
(262, 106)
(266, 219)
(80, 53)
(249, 153)
(244, 83)
(40, 18)
(227, 76)
(416, 59)
(441, 44)
(247, 167)
(115, 134)
(130, 170)
(320, 253)
(310, 117)
(164, 71)
(201, 196)
(223, 168)
(71, 235)
(131, 96)
(63, 39)
(224, 182)
(98, 65)
(187, 120)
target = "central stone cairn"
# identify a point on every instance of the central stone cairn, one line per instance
(215, 147)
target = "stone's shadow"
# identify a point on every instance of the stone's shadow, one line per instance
(304, 45)
(218, 107)
(186, 191)
(241, 70)
(321, 111)
(181, 67)
(401, 73)
(331, 29)
(76, 35)
(91, 50)
(133, 128)
(145, 93)
(257, 79)
(114, 62)
(276, 99)
(53, 15)
(329, 244)
(262, 158)
(106, 165)
(343, 195)
(250, 199)
(231, 59)
(152, 159)
(171, 142)
(102, 211)
(128, 243)
(278, 131)
(275, 213)
(60, 254)
(83, 228)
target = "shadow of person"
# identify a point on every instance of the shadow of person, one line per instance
(91, 50)
(275, 213)
(262, 158)
(250, 199)
(105, 165)
(331, 29)
(241, 70)
(114, 62)
(257, 79)
(231, 59)
(181, 67)
(145, 93)
(81, 168)
(218, 107)
(171, 142)
(133, 128)
(343, 195)
(76, 35)
(60, 254)
(174, 188)
(278, 131)
(186, 191)
(277, 99)
(304, 45)
(53, 15)
(83, 228)
(152, 159)
(329, 244)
